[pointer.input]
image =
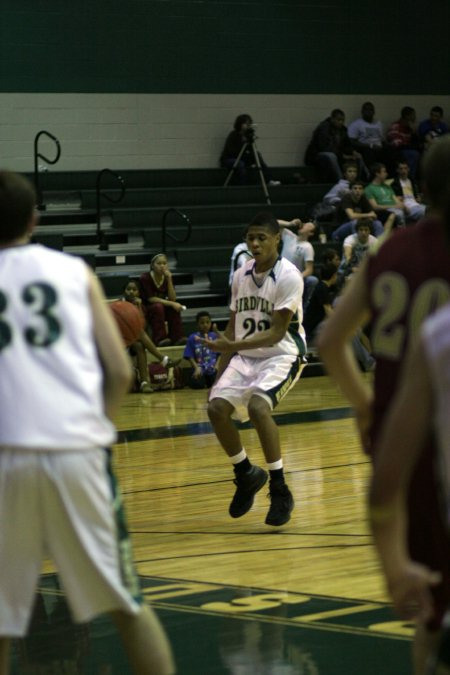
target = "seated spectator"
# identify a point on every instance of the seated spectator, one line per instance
(201, 357)
(403, 138)
(326, 209)
(356, 246)
(366, 136)
(160, 303)
(432, 128)
(300, 252)
(138, 348)
(407, 190)
(330, 255)
(321, 306)
(243, 134)
(330, 147)
(383, 199)
(354, 207)
(239, 257)
(334, 196)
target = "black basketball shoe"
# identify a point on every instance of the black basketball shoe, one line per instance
(281, 504)
(247, 485)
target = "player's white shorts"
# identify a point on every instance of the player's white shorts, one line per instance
(245, 376)
(63, 505)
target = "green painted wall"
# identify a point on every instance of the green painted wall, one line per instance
(229, 46)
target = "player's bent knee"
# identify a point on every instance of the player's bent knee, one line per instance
(217, 409)
(258, 408)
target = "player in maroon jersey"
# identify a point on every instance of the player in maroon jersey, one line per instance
(404, 281)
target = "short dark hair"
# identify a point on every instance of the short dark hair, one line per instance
(376, 168)
(329, 254)
(17, 202)
(267, 219)
(327, 271)
(240, 120)
(364, 222)
(337, 112)
(358, 182)
(130, 281)
(349, 165)
(407, 110)
(437, 109)
(201, 314)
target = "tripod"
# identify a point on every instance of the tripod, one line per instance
(254, 149)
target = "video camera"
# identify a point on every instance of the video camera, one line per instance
(250, 133)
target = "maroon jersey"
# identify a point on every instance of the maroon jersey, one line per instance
(149, 289)
(409, 278)
(159, 315)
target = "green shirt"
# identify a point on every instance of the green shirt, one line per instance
(383, 194)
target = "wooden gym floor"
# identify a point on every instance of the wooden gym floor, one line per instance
(236, 596)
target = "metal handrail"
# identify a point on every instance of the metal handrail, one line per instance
(37, 155)
(102, 243)
(166, 234)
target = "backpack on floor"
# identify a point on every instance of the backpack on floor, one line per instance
(161, 378)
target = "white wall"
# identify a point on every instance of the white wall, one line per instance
(150, 131)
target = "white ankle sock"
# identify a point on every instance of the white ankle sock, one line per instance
(239, 457)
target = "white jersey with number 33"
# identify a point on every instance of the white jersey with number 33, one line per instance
(49, 369)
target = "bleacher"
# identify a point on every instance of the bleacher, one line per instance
(132, 229)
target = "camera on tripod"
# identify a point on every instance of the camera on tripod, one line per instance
(250, 133)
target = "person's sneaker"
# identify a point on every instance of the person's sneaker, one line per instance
(273, 183)
(167, 362)
(173, 363)
(145, 388)
(247, 486)
(281, 505)
(166, 342)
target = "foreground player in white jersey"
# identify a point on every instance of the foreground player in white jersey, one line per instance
(262, 349)
(63, 375)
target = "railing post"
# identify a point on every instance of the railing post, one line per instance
(101, 239)
(184, 217)
(40, 205)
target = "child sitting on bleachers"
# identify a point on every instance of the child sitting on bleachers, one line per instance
(202, 359)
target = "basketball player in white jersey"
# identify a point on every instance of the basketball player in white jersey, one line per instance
(63, 375)
(262, 349)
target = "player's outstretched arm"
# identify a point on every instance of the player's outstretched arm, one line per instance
(334, 343)
(116, 365)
